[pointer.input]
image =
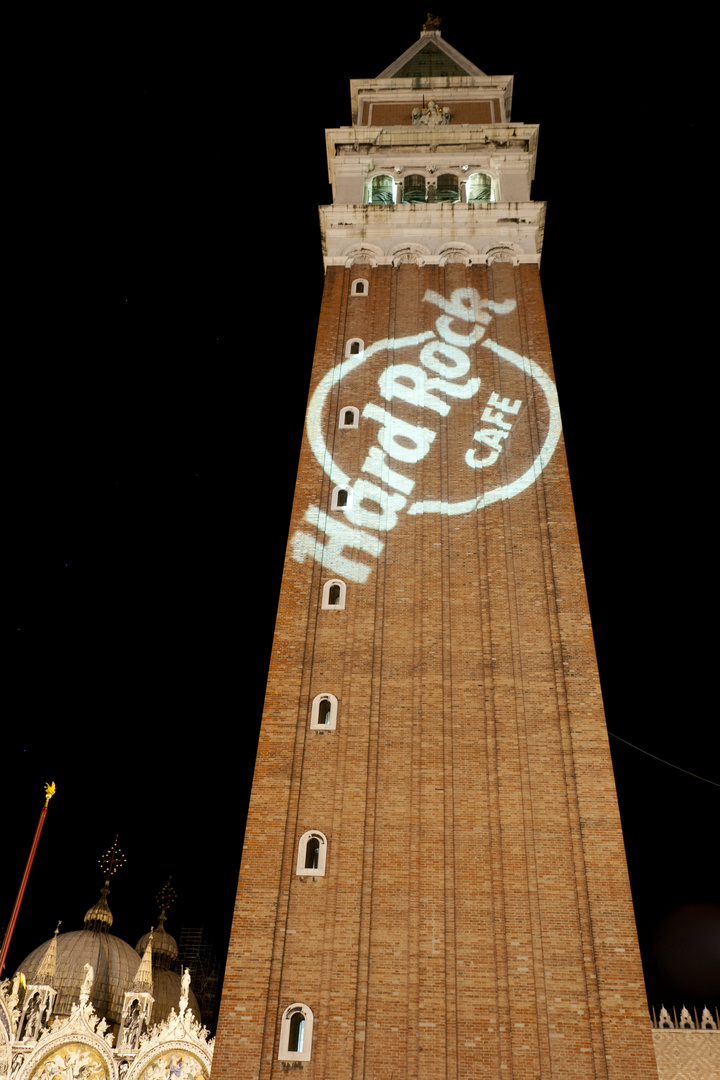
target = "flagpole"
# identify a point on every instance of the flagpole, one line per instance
(49, 792)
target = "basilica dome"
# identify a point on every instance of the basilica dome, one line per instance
(114, 962)
(73, 986)
(166, 979)
(164, 945)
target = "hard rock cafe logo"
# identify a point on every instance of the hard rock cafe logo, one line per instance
(499, 425)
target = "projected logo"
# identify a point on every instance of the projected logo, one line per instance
(449, 429)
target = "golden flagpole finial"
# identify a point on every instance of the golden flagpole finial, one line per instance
(49, 791)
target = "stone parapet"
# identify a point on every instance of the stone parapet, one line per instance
(474, 233)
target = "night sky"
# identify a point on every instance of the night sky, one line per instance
(167, 330)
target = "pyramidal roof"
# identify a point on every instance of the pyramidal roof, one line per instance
(430, 57)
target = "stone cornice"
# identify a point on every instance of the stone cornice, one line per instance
(522, 137)
(432, 233)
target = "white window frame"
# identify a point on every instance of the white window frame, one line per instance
(354, 341)
(296, 1055)
(354, 287)
(356, 417)
(315, 724)
(334, 497)
(326, 605)
(301, 869)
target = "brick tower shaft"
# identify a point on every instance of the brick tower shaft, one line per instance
(433, 882)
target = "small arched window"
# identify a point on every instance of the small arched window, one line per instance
(341, 498)
(354, 346)
(360, 287)
(296, 1033)
(333, 595)
(312, 851)
(323, 714)
(480, 188)
(349, 417)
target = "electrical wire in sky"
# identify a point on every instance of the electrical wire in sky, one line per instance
(678, 767)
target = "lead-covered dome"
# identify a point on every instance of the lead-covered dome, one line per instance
(164, 945)
(166, 978)
(114, 963)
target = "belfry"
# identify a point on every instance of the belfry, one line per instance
(433, 882)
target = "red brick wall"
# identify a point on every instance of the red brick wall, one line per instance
(388, 114)
(475, 920)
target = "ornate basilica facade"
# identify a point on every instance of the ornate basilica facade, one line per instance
(87, 1006)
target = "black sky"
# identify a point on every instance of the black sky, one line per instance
(169, 316)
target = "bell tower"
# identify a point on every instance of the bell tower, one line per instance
(433, 882)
